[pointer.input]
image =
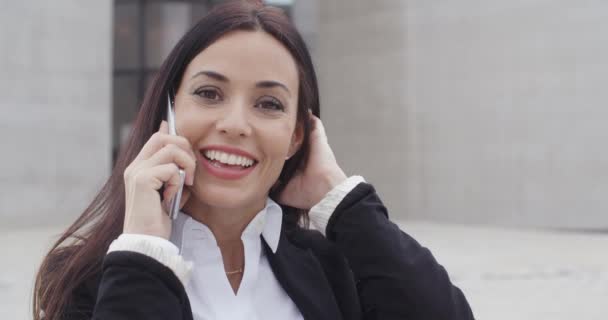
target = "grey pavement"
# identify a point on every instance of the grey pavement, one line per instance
(505, 273)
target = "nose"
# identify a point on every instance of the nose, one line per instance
(234, 121)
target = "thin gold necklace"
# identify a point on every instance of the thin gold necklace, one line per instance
(240, 270)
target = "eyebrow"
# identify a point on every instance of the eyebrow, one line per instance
(222, 78)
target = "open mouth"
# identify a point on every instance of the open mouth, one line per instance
(223, 159)
(227, 163)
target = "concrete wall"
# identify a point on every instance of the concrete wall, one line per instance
(55, 62)
(472, 111)
(305, 15)
(361, 69)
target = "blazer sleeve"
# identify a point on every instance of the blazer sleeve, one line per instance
(132, 286)
(396, 277)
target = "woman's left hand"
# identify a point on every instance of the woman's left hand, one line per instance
(320, 176)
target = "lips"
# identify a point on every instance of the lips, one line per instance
(227, 162)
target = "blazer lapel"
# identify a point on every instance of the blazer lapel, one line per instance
(303, 279)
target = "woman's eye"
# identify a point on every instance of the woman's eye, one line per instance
(207, 93)
(270, 105)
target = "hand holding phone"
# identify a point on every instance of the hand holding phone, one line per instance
(153, 175)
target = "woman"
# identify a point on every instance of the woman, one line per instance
(246, 104)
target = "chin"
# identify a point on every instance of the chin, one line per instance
(230, 197)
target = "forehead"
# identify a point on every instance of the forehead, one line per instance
(249, 56)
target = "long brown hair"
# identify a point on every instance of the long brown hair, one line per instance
(78, 253)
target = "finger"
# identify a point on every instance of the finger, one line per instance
(317, 127)
(186, 193)
(171, 191)
(171, 188)
(172, 153)
(157, 176)
(164, 127)
(311, 117)
(160, 139)
(168, 198)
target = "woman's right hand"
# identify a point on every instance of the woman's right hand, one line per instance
(157, 163)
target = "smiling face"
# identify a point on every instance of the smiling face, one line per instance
(237, 105)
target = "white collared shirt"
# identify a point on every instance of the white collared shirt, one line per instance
(259, 296)
(193, 255)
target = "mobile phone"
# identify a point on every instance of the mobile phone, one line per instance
(174, 203)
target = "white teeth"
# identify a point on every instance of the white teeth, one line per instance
(223, 157)
(227, 158)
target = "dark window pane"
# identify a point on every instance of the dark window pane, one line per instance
(199, 10)
(149, 78)
(166, 23)
(126, 104)
(126, 39)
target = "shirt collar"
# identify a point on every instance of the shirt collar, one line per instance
(266, 223)
(271, 224)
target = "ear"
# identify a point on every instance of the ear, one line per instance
(296, 140)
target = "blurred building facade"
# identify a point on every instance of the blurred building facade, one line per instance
(55, 78)
(472, 112)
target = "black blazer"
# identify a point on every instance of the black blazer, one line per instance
(366, 268)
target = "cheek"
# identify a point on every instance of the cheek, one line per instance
(192, 125)
(277, 141)
(276, 146)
